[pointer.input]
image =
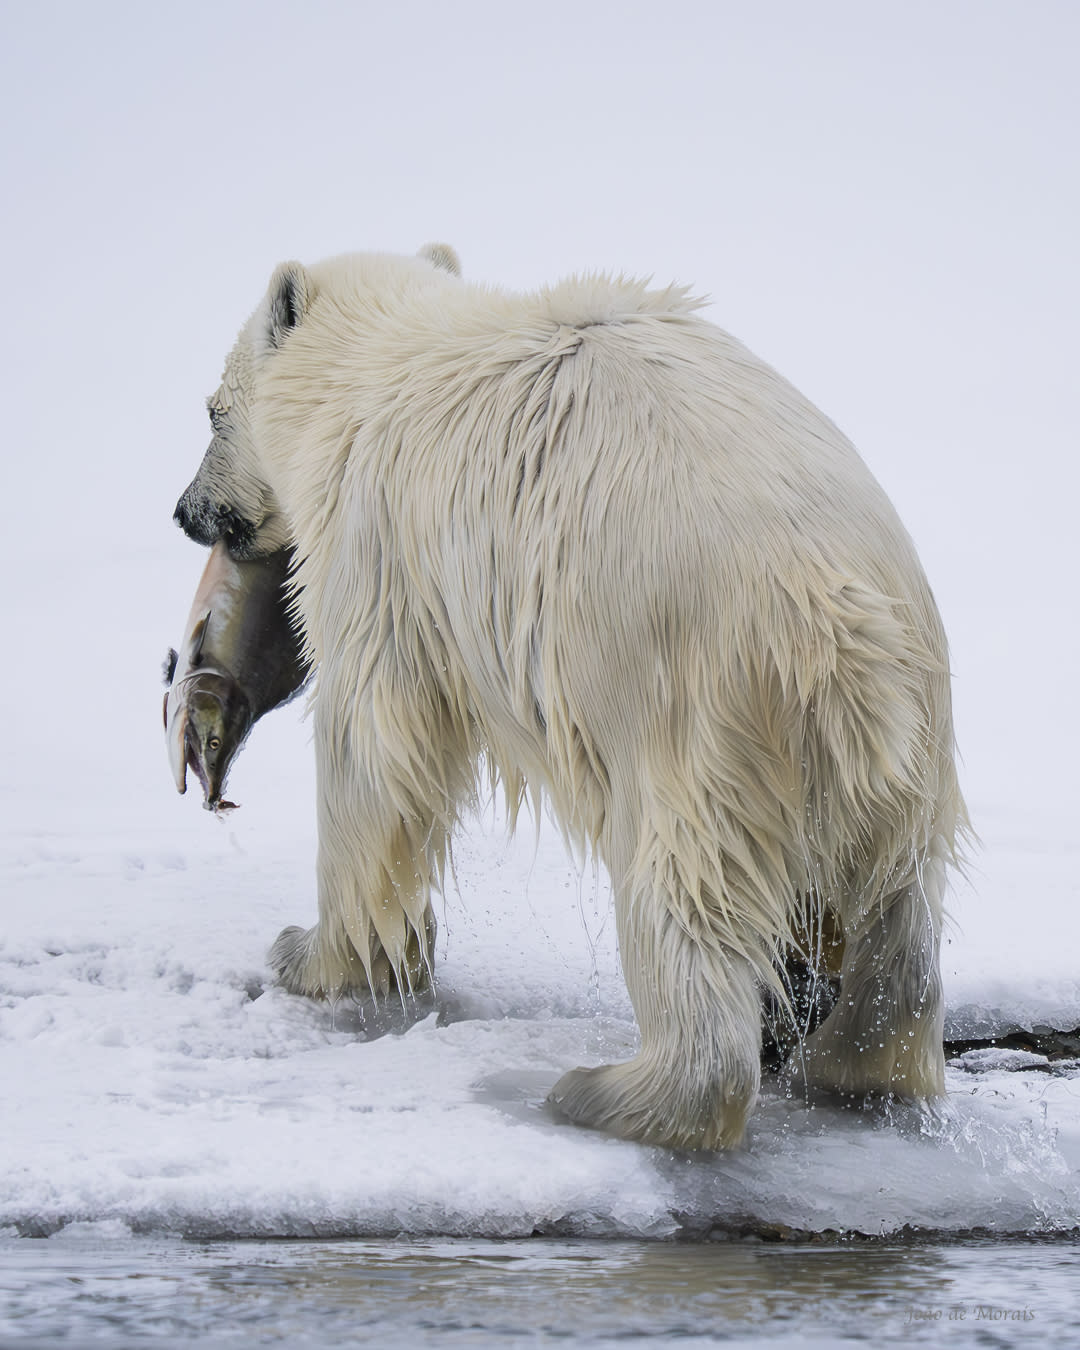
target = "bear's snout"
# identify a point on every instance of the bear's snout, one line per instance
(196, 519)
(206, 523)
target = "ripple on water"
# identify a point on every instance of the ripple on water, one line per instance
(98, 1286)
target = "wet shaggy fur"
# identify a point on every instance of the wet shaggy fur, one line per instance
(587, 538)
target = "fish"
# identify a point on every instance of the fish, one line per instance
(241, 657)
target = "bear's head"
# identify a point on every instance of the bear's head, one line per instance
(229, 497)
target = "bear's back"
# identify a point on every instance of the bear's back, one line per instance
(596, 428)
(682, 431)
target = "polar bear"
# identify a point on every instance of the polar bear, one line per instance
(587, 538)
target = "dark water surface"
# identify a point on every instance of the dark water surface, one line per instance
(92, 1291)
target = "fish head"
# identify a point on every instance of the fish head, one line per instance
(209, 722)
(210, 745)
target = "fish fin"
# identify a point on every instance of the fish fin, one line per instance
(168, 666)
(198, 637)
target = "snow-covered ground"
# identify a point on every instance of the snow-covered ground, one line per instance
(887, 210)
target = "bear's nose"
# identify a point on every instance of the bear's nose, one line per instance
(194, 522)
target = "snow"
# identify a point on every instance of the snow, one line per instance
(162, 1085)
(154, 1079)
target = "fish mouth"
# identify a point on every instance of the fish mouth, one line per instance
(212, 785)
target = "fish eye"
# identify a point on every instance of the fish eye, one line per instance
(214, 742)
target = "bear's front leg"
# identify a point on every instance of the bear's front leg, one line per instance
(382, 837)
(322, 963)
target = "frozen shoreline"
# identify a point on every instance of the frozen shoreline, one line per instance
(162, 1086)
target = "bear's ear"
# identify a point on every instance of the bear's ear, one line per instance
(289, 296)
(443, 256)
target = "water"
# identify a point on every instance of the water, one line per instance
(89, 1291)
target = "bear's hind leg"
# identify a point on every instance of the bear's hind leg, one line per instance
(694, 1080)
(884, 1035)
